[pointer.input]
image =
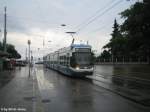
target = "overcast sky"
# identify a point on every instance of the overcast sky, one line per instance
(41, 19)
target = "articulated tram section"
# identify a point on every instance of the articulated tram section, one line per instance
(75, 60)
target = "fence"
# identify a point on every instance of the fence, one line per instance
(122, 60)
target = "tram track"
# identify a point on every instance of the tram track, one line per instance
(134, 89)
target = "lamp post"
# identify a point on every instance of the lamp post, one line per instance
(32, 59)
(29, 43)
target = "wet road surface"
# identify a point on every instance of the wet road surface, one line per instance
(130, 81)
(49, 91)
(135, 71)
(64, 94)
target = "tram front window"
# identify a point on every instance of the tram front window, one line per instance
(81, 59)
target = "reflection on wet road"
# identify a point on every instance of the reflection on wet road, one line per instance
(64, 94)
(128, 76)
(135, 71)
(130, 81)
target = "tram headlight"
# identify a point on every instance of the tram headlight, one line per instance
(77, 68)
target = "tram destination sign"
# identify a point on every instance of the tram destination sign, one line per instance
(82, 50)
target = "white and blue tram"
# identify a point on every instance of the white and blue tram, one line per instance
(75, 60)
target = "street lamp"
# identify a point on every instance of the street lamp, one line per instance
(63, 24)
(29, 43)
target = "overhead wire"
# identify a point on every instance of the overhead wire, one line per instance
(92, 18)
(98, 11)
(98, 16)
(101, 28)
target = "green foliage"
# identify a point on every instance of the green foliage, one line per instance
(132, 38)
(11, 50)
(105, 55)
(93, 58)
(117, 44)
(137, 28)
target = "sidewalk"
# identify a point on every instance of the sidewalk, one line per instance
(5, 77)
(20, 92)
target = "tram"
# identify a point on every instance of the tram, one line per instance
(75, 60)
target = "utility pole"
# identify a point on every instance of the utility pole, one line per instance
(31, 59)
(29, 42)
(43, 42)
(26, 55)
(5, 31)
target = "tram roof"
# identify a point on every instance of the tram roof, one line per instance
(81, 45)
(73, 45)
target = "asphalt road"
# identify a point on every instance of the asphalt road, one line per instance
(49, 91)
(65, 94)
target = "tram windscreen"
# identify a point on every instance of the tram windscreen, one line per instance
(81, 59)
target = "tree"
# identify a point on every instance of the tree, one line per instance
(132, 26)
(12, 51)
(117, 44)
(104, 55)
(132, 37)
(136, 28)
(93, 58)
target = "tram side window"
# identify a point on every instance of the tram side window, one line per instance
(60, 60)
(64, 60)
(67, 61)
(73, 61)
